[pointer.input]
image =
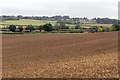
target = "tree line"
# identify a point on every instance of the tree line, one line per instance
(47, 27)
(62, 18)
(106, 21)
(60, 27)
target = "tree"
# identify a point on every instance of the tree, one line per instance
(48, 27)
(77, 26)
(56, 27)
(12, 28)
(100, 29)
(116, 27)
(40, 27)
(63, 26)
(95, 28)
(107, 29)
(30, 28)
(20, 28)
(110, 29)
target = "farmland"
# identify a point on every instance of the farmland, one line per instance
(92, 55)
(26, 22)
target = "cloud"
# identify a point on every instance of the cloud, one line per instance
(81, 8)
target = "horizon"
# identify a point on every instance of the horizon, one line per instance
(57, 15)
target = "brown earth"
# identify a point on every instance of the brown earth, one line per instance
(91, 55)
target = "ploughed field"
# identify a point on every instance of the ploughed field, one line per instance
(91, 55)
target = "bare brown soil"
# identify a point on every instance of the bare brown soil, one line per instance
(91, 55)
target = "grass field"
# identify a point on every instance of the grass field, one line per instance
(27, 22)
(60, 55)
(104, 25)
(42, 22)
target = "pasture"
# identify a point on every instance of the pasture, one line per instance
(25, 22)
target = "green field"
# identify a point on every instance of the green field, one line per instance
(25, 22)
(104, 25)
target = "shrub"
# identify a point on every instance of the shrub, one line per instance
(20, 28)
(12, 28)
(106, 29)
(39, 27)
(81, 31)
(48, 27)
(116, 27)
(64, 31)
(95, 29)
(77, 31)
(63, 26)
(91, 31)
(56, 27)
(55, 31)
(30, 28)
(100, 30)
(77, 26)
(110, 29)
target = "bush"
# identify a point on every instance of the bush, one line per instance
(30, 28)
(64, 32)
(106, 29)
(20, 28)
(39, 27)
(100, 30)
(56, 27)
(12, 28)
(92, 31)
(95, 29)
(63, 26)
(55, 31)
(110, 29)
(48, 27)
(116, 27)
(77, 31)
(77, 26)
(81, 31)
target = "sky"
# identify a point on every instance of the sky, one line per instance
(72, 8)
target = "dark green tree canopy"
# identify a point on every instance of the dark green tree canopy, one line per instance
(48, 27)
(12, 28)
(116, 27)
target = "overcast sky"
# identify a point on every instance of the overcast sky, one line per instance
(73, 8)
